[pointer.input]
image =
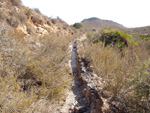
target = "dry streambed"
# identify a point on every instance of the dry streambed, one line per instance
(85, 95)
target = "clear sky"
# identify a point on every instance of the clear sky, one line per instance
(130, 13)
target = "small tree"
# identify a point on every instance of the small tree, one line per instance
(77, 25)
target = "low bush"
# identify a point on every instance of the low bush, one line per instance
(12, 21)
(3, 15)
(36, 19)
(30, 29)
(22, 17)
(28, 12)
(16, 2)
(54, 21)
(37, 10)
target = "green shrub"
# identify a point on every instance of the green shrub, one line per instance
(145, 37)
(77, 25)
(90, 34)
(117, 38)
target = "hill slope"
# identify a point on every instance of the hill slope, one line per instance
(34, 74)
(140, 30)
(96, 23)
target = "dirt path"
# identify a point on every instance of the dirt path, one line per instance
(75, 99)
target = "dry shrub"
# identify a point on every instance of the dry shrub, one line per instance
(119, 71)
(16, 2)
(36, 19)
(28, 12)
(3, 15)
(30, 29)
(22, 17)
(137, 96)
(29, 72)
(12, 97)
(47, 21)
(12, 21)
(37, 10)
(54, 21)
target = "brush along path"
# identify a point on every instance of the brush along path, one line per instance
(74, 102)
(86, 94)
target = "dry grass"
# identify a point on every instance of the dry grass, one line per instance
(119, 71)
(29, 72)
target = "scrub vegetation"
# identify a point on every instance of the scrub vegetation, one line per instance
(125, 74)
(29, 73)
(33, 65)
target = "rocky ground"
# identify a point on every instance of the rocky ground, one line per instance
(75, 101)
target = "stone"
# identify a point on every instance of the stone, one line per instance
(80, 109)
(15, 8)
(22, 28)
(71, 108)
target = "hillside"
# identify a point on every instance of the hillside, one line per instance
(30, 21)
(34, 71)
(140, 30)
(96, 23)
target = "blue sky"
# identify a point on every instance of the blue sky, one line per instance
(130, 13)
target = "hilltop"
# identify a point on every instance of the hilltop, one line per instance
(96, 23)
